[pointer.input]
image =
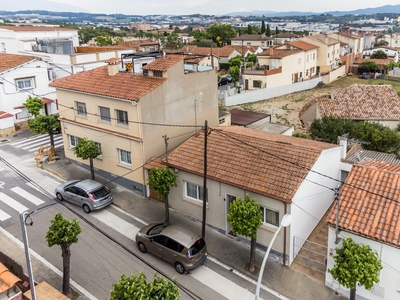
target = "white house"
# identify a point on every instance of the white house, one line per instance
(22, 76)
(369, 214)
(392, 53)
(282, 173)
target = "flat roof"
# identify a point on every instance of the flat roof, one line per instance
(244, 117)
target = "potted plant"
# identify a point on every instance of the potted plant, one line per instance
(239, 87)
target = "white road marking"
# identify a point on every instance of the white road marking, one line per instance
(39, 190)
(12, 203)
(27, 139)
(4, 216)
(24, 194)
(116, 223)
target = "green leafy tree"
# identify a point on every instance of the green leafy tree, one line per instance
(34, 105)
(245, 217)
(234, 71)
(136, 287)
(45, 124)
(64, 233)
(381, 43)
(356, 264)
(328, 129)
(200, 35)
(268, 31)
(249, 29)
(161, 180)
(370, 66)
(221, 32)
(379, 54)
(235, 61)
(276, 30)
(252, 58)
(87, 149)
(262, 27)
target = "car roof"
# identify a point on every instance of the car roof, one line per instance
(89, 184)
(181, 234)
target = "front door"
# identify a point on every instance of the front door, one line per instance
(228, 199)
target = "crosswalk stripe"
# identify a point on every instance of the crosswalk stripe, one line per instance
(57, 144)
(39, 143)
(4, 216)
(12, 203)
(32, 141)
(24, 194)
(26, 139)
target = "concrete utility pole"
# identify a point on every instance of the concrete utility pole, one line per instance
(166, 148)
(203, 225)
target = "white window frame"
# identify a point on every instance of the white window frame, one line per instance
(199, 192)
(23, 82)
(121, 157)
(125, 121)
(264, 221)
(79, 110)
(105, 118)
(73, 141)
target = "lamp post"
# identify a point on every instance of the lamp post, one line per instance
(286, 221)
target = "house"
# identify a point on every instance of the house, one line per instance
(357, 67)
(369, 213)
(392, 53)
(201, 56)
(225, 54)
(260, 40)
(246, 50)
(328, 57)
(355, 43)
(284, 37)
(282, 173)
(127, 114)
(22, 76)
(141, 45)
(374, 103)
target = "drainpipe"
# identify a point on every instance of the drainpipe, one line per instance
(284, 240)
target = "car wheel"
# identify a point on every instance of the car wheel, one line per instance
(142, 247)
(179, 268)
(86, 208)
(59, 197)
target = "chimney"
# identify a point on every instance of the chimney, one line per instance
(271, 51)
(113, 64)
(343, 144)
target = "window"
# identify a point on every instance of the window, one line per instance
(307, 72)
(73, 141)
(81, 108)
(328, 55)
(307, 57)
(99, 146)
(122, 117)
(105, 114)
(194, 191)
(157, 73)
(25, 83)
(257, 83)
(301, 74)
(313, 56)
(270, 217)
(124, 156)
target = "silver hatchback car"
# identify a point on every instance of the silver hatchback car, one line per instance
(174, 244)
(88, 194)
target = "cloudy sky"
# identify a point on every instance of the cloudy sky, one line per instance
(182, 7)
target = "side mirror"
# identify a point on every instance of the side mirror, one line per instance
(151, 240)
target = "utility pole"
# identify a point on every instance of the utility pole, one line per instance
(166, 148)
(337, 198)
(203, 225)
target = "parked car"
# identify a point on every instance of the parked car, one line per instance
(223, 81)
(88, 194)
(229, 77)
(365, 76)
(173, 243)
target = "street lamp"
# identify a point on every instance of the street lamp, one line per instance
(286, 221)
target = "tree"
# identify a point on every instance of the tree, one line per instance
(136, 287)
(63, 233)
(381, 43)
(379, 54)
(225, 32)
(262, 27)
(370, 66)
(276, 30)
(245, 217)
(356, 264)
(249, 29)
(268, 31)
(34, 105)
(328, 129)
(87, 149)
(234, 71)
(235, 61)
(252, 58)
(161, 180)
(45, 124)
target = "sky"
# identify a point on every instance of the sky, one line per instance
(186, 7)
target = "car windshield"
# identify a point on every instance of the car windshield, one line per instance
(196, 248)
(102, 192)
(156, 229)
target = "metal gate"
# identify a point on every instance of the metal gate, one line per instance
(309, 254)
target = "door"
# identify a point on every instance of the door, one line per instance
(228, 200)
(246, 84)
(157, 245)
(172, 252)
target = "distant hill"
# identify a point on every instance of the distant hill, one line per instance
(363, 11)
(38, 5)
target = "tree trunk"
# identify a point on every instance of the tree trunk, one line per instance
(91, 168)
(166, 210)
(252, 255)
(66, 255)
(51, 135)
(353, 293)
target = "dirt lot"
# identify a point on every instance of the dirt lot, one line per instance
(285, 109)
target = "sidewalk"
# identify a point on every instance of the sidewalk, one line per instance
(231, 251)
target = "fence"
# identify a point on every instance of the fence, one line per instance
(310, 255)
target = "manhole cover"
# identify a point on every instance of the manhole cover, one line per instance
(4, 141)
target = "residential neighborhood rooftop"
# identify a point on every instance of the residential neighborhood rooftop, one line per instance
(163, 63)
(302, 45)
(9, 61)
(245, 117)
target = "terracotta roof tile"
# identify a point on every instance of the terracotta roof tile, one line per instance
(164, 63)
(370, 202)
(9, 61)
(156, 162)
(257, 161)
(47, 100)
(227, 50)
(252, 37)
(323, 39)
(361, 102)
(5, 115)
(303, 45)
(378, 61)
(122, 85)
(241, 49)
(279, 53)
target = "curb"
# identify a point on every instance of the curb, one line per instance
(53, 172)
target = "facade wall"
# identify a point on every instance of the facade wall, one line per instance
(389, 276)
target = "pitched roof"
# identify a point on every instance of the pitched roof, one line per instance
(243, 48)
(9, 61)
(122, 85)
(252, 37)
(303, 45)
(227, 50)
(285, 35)
(378, 61)
(198, 50)
(370, 202)
(163, 63)
(279, 53)
(361, 102)
(323, 39)
(358, 155)
(258, 161)
(5, 115)
(36, 28)
(244, 117)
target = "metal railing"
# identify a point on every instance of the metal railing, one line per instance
(309, 254)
